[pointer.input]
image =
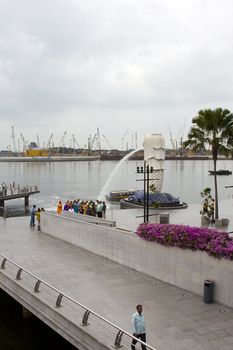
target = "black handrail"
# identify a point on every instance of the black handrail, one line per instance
(119, 331)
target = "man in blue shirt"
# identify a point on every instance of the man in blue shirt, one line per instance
(139, 330)
(33, 213)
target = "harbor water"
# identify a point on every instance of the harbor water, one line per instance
(86, 179)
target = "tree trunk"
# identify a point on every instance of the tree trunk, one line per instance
(215, 187)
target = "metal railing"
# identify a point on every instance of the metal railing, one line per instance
(17, 189)
(115, 336)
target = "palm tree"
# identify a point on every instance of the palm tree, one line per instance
(213, 129)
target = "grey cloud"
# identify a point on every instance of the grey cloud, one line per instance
(130, 62)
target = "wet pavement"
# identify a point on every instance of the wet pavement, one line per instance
(131, 218)
(175, 319)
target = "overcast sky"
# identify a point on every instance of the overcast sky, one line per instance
(136, 65)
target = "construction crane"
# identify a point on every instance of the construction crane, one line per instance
(13, 139)
(98, 139)
(88, 145)
(171, 139)
(49, 143)
(132, 145)
(181, 133)
(134, 140)
(123, 139)
(24, 143)
(107, 142)
(181, 136)
(92, 141)
(38, 141)
(62, 142)
(75, 143)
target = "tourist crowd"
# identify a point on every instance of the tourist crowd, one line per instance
(91, 208)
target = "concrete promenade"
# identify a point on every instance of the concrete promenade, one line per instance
(190, 216)
(175, 319)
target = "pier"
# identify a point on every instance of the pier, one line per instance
(15, 192)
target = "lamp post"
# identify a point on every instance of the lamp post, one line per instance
(146, 170)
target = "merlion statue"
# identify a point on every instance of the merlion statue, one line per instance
(154, 155)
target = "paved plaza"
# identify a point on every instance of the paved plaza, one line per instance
(189, 216)
(175, 319)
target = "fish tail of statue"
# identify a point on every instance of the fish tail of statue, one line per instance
(154, 156)
(156, 181)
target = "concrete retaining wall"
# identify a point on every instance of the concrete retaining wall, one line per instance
(182, 268)
(88, 218)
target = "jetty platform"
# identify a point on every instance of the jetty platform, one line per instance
(175, 319)
(16, 192)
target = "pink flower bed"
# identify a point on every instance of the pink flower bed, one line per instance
(214, 242)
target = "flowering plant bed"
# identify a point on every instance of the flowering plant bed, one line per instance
(214, 242)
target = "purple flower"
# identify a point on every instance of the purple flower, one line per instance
(214, 242)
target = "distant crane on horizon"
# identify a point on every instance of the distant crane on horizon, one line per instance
(98, 139)
(75, 143)
(62, 142)
(24, 143)
(38, 141)
(181, 132)
(49, 143)
(107, 142)
(136, 140)
(171, 139)
(13, 139)
(123, 139)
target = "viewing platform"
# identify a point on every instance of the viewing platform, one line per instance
(15, 192)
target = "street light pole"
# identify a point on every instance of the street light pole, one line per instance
(144, 197)
(146, 170)
(147, 193)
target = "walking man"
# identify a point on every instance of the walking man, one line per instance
(33, 213)
(139, 330)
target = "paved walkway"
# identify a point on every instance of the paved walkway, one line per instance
(176, 319)
(189, 216)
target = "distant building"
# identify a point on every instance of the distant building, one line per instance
(5, 153)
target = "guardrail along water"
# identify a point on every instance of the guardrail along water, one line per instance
(82, 315)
